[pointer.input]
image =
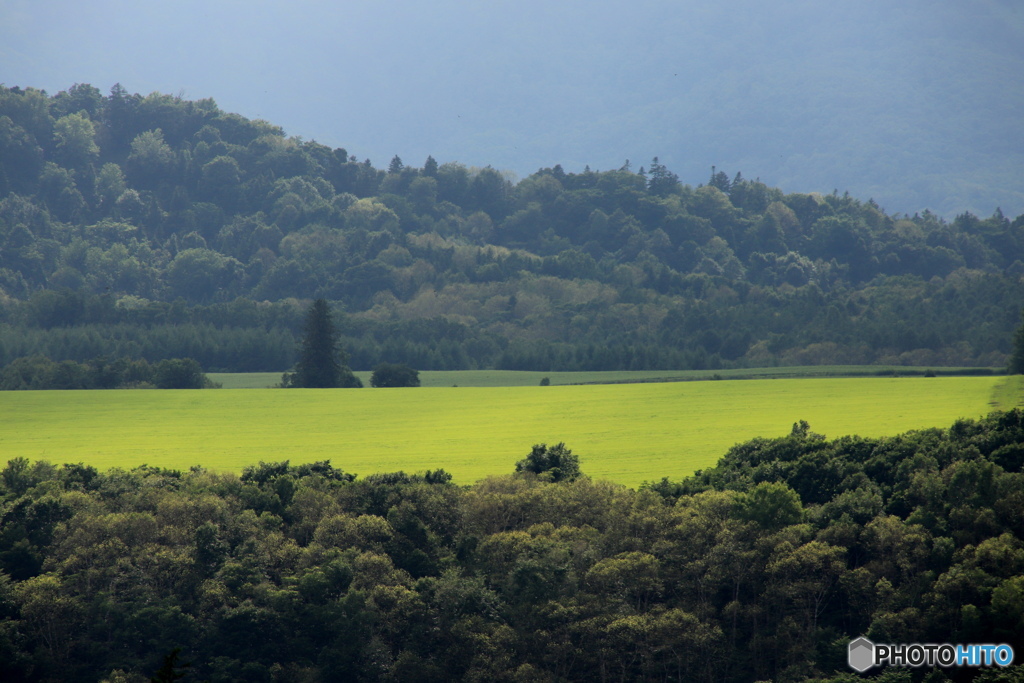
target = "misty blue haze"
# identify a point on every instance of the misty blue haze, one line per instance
(915, 104)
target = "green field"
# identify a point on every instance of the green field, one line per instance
(624, 432)
(476, 378)
(1009, 393)
(520, 378)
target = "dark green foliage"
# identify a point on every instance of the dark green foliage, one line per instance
(154, 227)
(39, 372)
(556, 463)
(178, 373)
(170, 670)
(661, 181)
(321, 360)
(438, 476)
(394, 375)
(264, 472)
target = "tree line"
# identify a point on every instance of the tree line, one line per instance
(763, 567)
(322, 364)
(120, 213)
(39, 372)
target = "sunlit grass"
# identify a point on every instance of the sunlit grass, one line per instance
(626, 432)
(1008, 393)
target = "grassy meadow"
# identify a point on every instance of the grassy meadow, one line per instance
(477, 378)
(526, 378)
(628, 433)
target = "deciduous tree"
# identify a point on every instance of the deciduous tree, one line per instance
(76, 139)
(556, 463)
(179, 373)
(394, 375)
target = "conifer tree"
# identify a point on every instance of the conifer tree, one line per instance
(662, 182)
(430, 167)
(321, 360)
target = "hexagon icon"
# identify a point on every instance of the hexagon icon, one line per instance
(861, 656)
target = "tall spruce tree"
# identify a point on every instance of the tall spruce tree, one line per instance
(322, 363)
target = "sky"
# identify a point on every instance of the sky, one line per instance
(914, 103)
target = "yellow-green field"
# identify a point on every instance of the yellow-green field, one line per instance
(1008, 393)
(627, 432)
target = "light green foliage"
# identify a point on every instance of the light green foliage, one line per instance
(199, 270)
(76, 139)
(770, 505)
(626, 433)
(151, 158)
(372, 216)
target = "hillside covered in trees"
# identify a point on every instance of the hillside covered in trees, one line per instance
(761, 568)
(154, 227)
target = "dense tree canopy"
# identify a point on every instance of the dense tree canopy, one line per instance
(159, 227)
(39, 372)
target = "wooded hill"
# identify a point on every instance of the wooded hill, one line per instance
(761, 568)
(156, 227)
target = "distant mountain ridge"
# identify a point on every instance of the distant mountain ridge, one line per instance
(914, 104)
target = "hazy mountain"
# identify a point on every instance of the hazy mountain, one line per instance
(915, 104)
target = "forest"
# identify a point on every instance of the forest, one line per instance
(763, 567)
(146, 239)
(154, 227)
